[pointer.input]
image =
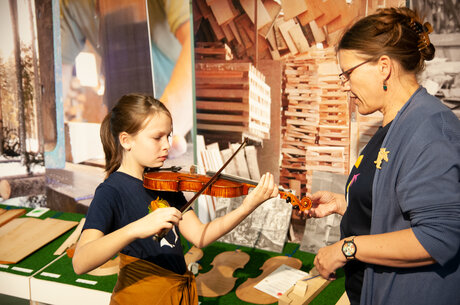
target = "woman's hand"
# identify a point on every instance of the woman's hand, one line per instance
(325, 203)
(155, 222)
(329, 259)
(265, 189)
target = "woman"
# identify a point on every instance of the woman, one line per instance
(401, 209)
(135, 135)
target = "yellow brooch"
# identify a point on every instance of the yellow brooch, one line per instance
(382, 156)
(158, 203)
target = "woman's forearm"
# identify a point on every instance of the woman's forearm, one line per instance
(395, 249)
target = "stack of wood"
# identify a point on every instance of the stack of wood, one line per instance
(317, 133)
(283, 30)
(213, 50)
(232, 97)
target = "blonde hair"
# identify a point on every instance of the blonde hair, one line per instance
(128, 115)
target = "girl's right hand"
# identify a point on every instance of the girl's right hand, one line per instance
(156, 221)
(325, 203)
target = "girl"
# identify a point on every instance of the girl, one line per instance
(135, 135)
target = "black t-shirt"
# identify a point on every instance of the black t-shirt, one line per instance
(357, 218)
(122, 199)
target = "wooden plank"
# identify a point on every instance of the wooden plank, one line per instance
(219, 105)
(240, 160)
(217, 127)
(30, 236)
(72, 239)
(273, 8)
(252, 161)
(284, 28)
(222, 117)
(204, 8)
(315, 286)
(298, 37)
(343, 300)
(313, 12)
(223, 11)
(263, 17)
(11, 214)
(248, 293)
(317, 32)
(216, 28)
(293, 8)
(331, 10)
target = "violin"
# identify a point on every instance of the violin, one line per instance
(225, 186)
(201, 184)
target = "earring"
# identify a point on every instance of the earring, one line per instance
(385, 87)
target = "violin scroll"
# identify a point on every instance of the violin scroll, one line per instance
(303, 205)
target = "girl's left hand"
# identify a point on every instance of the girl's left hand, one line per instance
(329, 259)
(265, 189)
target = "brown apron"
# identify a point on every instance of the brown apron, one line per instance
(144, 283)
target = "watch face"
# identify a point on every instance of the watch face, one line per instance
(349, 248)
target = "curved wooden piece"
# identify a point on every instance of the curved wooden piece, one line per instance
(246, 291)
(220, 280)
(108, 268)
(193, 255)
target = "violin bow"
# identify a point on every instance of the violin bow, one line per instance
(213, 178)
(187, 206)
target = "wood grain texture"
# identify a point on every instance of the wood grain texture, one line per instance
(220, 280)
(248, 293)
(30, 236)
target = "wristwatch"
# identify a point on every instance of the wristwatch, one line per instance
(349, 248)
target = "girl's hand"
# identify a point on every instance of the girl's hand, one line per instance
(325, 203)
(329, 259)
(265, 189)
(155, 222)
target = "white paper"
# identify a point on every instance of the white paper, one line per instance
(37, 212)
(280, 280)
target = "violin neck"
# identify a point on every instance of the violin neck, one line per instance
(241, 180)
(233, 178)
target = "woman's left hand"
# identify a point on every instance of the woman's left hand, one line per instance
(329, 259)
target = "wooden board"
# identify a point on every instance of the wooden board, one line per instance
(343, 300)
(248, 293)
(72, 239)
(30, 236)
(315, 286)
(11, 214)
(220, 280)
(293, 8)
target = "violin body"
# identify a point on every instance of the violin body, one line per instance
(225, 186)
(182, 182)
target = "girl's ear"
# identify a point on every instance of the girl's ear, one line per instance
(125, 140)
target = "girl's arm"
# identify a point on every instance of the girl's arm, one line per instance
(94, 248)
(202, 235)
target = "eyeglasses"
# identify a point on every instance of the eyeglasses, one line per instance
(345, 75)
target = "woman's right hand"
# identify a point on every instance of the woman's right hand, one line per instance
(325, 203)
(155, 222)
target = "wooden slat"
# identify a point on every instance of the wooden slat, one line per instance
(263, 17)
(30, 236)
(293, 8)
(11, 214)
